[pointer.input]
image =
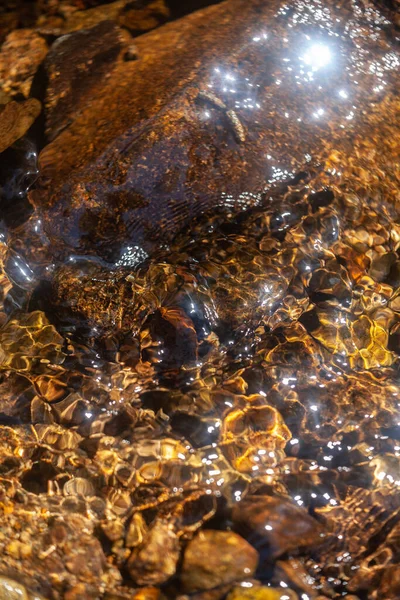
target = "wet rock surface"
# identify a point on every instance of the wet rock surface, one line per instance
(75, 64)
(124, 179)
(199, 303)
(280, 525)
(155, 561)
(235, 560)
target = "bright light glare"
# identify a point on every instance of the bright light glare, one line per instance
(317, 56)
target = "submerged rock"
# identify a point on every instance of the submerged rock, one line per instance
(74, 66)
(215, 558)
(261, 593)
(5, 283)
(15, 120)
(155, 560)
(276, 523)
(196, 117)
(20, 56)
(28, 341)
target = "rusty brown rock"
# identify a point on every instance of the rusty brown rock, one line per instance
(20, 56)
(15, 120)
(161, 161)
(56, 554)
(155, 560)
(74, 65)
(215, 558)
(77, 592)
(86, 19)
(9, 22)
(141, 18)
(277, 523)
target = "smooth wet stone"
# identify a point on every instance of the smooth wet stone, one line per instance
(21, 54)
(275, 522)
(162, 139)
(12, 590)
(15, 120)
(214, 558)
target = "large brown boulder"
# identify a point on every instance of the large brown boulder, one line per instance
(218, 107)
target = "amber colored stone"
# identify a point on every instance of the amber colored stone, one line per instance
(77, 592)
(214, 558)
(91, 52)
(261, 593)
(293, 573)
(155, 560)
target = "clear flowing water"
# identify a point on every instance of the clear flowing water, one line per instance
(241, 380)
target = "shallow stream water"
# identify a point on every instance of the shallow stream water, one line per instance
(218, 416)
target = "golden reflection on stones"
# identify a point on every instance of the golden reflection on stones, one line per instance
(282, 525)
(30, 343)
(220, 418)
(253, 437)
(261, 593)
